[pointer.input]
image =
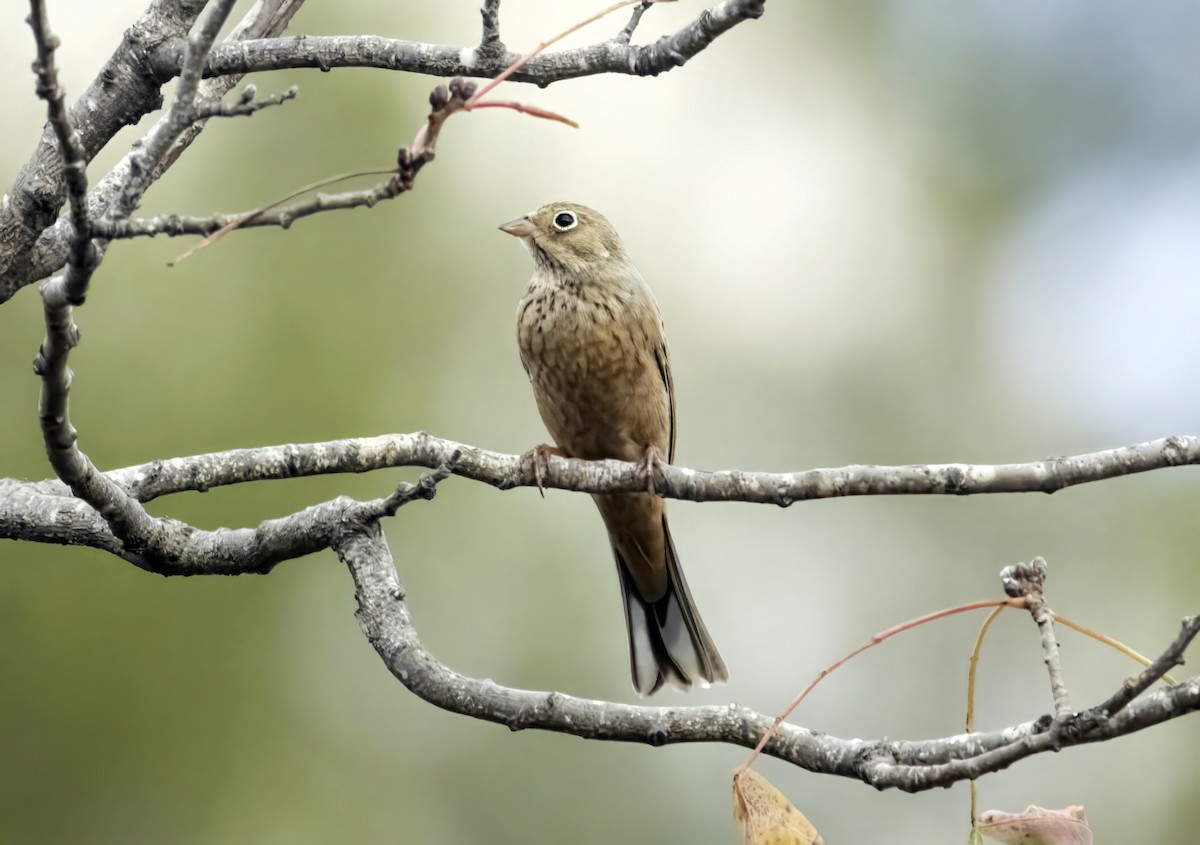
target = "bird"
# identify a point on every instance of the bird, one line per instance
(592, 342)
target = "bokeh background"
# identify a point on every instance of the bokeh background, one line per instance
(886, 232)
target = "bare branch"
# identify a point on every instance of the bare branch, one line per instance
(911, 766)
(32, 244)
(356, 455)
(145, 163)
(123, 91)
(82, 257)
(490, 44)
(267, 18)
(1169, 659)
(158, 544)
(1028, 581)
(185, 550)
(338, 51)
(176, 224)
(138, 532)
(146, 482)
(127, 517)
(246, 105)
(636, 18)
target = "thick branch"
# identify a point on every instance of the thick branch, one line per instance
(338, 51)
(186, 550)
(82, 256)
(32, 243)
(911, 766)
(120, 95)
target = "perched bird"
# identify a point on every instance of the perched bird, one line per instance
(593, 345)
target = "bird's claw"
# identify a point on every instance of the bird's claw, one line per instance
(535, 465)
(650, 467)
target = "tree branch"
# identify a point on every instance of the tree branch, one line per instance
(199, 473)
(33, 243)
(142, 536)
(338, 51)
(626, 34)
(149, 157)
(246, 105)
(910, 766)
(1027, 581)
(123, 91)
(1168, 660)
(365, 454)
(490, 44)
(82, 256)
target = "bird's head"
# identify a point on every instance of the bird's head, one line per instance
(571, 241)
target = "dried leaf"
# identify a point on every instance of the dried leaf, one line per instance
(767, 816)
(1037, 826)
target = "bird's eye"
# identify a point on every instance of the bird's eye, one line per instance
(565, 220)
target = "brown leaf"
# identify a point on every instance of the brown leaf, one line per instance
(1037, 826)
(767, 816)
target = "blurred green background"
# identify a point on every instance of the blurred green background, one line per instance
(882, 232)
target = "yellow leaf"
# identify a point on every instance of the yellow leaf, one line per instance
(767, 817)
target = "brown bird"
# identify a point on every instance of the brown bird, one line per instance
(593, 345)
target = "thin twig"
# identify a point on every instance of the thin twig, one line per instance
(1108, 641)
(882, 636)
(971, 672)
(491, 44)
(1173, 656)
(626, 34)
(284, 217)
(409, 162)
(246, 104)
(1028, 580)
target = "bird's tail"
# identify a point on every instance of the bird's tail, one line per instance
(667, 638)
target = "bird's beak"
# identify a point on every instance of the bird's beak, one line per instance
(522, 227)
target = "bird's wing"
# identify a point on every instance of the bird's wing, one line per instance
(663, 359)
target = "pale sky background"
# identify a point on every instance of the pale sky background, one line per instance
(879, 232)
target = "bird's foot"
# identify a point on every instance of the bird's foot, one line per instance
(650, 468)
(535, 465)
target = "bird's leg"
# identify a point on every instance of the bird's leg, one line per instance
(535, 464)
(650, 467)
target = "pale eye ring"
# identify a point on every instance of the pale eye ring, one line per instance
(565, 220)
